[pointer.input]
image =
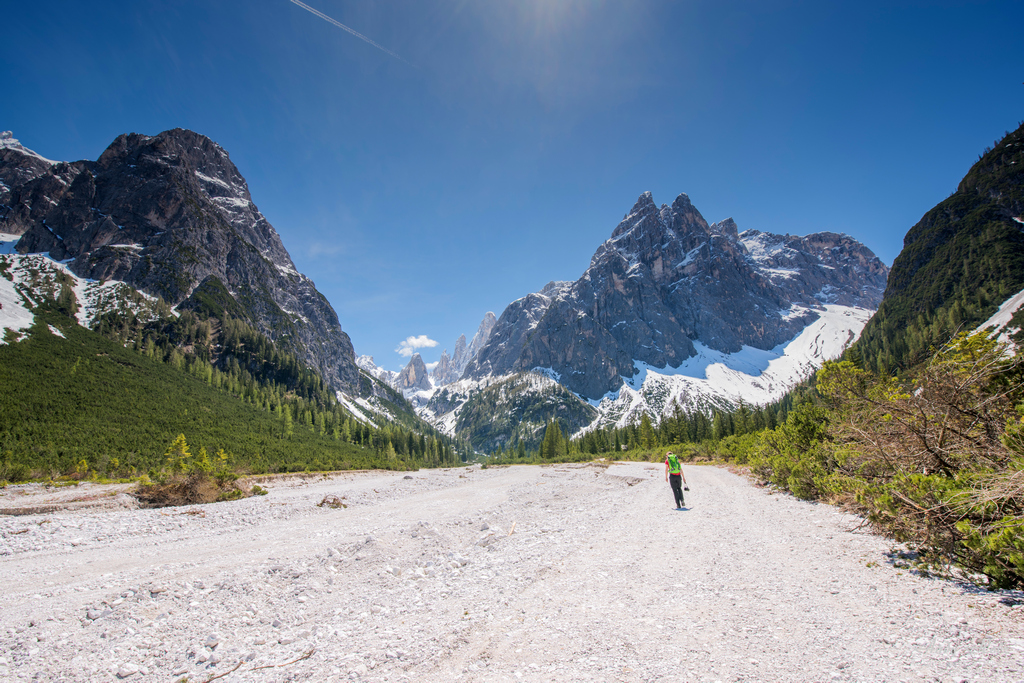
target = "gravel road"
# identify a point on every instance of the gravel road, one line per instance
(557, 573)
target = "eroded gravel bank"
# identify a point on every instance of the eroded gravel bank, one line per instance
(420, 579)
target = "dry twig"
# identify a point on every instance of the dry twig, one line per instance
(307, 655)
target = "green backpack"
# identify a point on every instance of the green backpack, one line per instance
(673, 464)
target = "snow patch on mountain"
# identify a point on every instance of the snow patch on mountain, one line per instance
(359, 407)
(36, 277)
(713, 379)
(763, 248)
(388, 377)
(999, 322)
(8, 141)
(7, 243)
(14, 315)
(443, 404)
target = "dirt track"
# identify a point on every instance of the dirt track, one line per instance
(599, 579)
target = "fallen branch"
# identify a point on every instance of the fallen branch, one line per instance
(274, 666)
(213, 678)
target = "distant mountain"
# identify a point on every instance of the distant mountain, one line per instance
(450, 368)
(480, 339)
(667, 281)
(171, 216)
(388, 377)
(676, 311)
(413, 376)
(445, 371)
(962, 260)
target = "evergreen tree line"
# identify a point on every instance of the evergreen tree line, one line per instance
(680, 427)
(229, 355)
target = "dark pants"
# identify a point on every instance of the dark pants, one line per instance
(676, 480)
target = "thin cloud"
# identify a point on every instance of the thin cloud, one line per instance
(342, 26)
(409, 346)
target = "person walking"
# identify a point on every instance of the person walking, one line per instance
(675, 477)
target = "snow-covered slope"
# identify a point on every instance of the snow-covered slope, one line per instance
(713, 379)
(367, 364)
(30, 279)
(1000, 322)
(707, 381)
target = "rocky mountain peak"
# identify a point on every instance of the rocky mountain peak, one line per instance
(445, 370)
(644, 214)
(414, 376)
(460, 357)
(170, 214)
(726, 227)
(483, 334)
(666, 279)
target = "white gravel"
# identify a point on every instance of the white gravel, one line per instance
(560, 573)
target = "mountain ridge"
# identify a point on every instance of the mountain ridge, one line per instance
(166, 214)
(666, 278)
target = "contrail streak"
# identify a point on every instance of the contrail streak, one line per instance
(342, 26)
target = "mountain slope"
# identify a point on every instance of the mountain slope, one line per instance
(168, 214)
(958, 264)
(69, 395)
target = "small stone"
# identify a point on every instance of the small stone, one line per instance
(212, 641)
(126, 670)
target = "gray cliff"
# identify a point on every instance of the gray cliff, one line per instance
(166, 214)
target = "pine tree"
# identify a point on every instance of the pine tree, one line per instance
(178, 455)
(288, 424)
(646, 433)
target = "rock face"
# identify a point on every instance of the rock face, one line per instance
(450, 369)
(167, 214)
(444, 372)
(480, 339)
(413, 376)
(460, 358)
(666, 279)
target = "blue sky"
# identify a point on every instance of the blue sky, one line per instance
(504, 149)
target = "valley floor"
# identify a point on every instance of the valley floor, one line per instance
(558, 573)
